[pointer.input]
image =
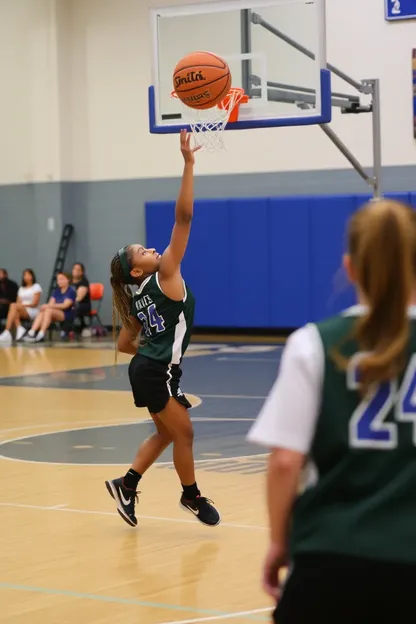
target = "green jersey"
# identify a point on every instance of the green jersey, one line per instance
(167, 324)
(360, 496)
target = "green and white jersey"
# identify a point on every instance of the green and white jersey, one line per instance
(359, 497)
(167, 324)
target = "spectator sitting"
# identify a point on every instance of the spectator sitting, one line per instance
(8, 293)
(60, 308)
(82, 286)
(26, 307)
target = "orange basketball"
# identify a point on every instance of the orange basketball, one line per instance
(201, 80)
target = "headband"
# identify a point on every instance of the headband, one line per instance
(125, 266)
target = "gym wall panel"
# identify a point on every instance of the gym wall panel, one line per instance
(207, 263)
(265, 262)
(29, 112)
(330, 290)
(249, 253)
(289, 259)
(401, 197)
(160, 217)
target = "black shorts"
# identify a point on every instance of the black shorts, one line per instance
(330, 589)
(82, 308)
(154, 383)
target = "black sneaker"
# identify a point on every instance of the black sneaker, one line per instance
(126, 500)
(202, 508)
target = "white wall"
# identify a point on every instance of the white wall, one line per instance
(74, 77)
(29, 113)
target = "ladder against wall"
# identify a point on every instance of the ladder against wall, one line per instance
(66, 236)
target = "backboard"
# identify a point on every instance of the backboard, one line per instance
(276, 50)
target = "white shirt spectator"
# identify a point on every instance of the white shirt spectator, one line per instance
(26, 294)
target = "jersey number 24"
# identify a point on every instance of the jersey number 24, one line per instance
(368, 427)
(151, 320)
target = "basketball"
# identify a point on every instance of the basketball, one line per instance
(201, 80)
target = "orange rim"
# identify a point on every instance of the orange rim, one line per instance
(240, 98)
(243, 99)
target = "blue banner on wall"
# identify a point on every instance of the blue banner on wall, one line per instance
(400, 9)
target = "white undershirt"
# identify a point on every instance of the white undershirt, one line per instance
(289, 415)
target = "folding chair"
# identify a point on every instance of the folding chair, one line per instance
(97, 295)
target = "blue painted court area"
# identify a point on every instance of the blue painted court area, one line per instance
(231, 382)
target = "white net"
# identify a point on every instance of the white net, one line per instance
(208, 125)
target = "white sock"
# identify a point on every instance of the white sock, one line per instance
(31, 332)
(6, 334)
(20, 331)
(40, 335)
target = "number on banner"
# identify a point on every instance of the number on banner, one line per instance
(368, 427)
(396, 9)
(151, 320)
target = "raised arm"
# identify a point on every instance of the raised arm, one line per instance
(172, 257)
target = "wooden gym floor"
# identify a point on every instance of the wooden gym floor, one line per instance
(68, 423)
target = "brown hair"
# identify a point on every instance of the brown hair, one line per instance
(382, 247)
(122, 298)
(67, 275)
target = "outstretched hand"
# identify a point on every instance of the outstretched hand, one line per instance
(186, 149)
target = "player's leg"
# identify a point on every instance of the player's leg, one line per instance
(176, 418)
(150, 450)
(30, 336)
(42, 323)
(124, 489)
(16, 312)
(22, 313)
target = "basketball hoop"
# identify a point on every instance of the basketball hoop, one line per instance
(209, 124)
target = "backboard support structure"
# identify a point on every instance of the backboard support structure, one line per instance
(280, 64)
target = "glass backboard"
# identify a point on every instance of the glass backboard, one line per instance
(275, 49)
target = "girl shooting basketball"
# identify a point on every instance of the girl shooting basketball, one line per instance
(162, 308)
(345, 400)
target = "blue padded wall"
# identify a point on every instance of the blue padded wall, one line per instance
(250, 268)
(289, 253)
(264, 262)
(207, 265)
(329, 288)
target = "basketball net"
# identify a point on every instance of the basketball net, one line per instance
(208, 125)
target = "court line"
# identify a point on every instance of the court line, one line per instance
(246, 359)
(115, 599)
(116, 423)
(230, 396)
(61, 424)
(92, 512)
(90, 465)
(222, 617)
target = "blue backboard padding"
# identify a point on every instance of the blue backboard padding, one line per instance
(302, 120)
(268, 262)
